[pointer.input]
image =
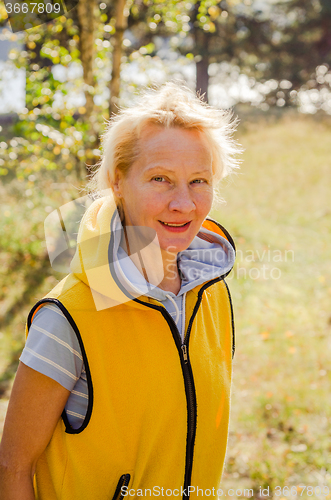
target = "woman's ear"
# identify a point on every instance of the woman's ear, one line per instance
(117, 185)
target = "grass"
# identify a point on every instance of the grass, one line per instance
(24, 266)
(278, 211)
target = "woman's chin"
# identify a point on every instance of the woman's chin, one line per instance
(175, 245)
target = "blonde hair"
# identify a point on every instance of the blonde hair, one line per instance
(171, 105)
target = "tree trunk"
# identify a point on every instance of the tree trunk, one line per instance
(115, 82)
(202, 81)
(201, 41)
(85, 15)
(86, 24)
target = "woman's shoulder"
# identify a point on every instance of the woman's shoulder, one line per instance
(52, 346)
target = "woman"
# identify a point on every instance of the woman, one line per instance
(123, 386)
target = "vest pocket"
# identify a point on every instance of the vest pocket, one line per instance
(123, 481)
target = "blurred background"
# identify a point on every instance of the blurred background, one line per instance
(270, 62)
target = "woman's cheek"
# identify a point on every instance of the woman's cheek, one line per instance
(152, 203)
(204, 201)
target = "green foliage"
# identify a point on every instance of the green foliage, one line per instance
(52, 133)
(300, 42)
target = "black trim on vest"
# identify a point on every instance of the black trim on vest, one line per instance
(188, 378)
(230, 299)
(190, 452)
(189, 393)
(122, 483)
(229, 237)
(232, 321)
(69, 429)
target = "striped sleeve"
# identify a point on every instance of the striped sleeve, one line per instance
(52, 347)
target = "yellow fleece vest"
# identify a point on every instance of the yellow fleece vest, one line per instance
(158, 412)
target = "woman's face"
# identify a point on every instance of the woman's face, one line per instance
(170, 183)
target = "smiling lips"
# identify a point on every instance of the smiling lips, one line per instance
(177, 227)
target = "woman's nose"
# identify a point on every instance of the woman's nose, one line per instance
(181, 200)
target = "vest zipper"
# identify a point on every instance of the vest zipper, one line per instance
(190, 396)
(189, 383)
(123, 481)
(182, 348)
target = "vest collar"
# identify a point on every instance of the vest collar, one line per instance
(94, 264)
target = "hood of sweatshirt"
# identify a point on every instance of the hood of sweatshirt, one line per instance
(101, 259)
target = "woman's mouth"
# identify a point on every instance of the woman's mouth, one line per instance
(176, 227)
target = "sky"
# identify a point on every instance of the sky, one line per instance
(12, 79)
(227, 85)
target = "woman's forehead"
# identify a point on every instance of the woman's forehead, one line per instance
(158, 140)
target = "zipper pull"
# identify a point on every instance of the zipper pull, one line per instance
(184, 349)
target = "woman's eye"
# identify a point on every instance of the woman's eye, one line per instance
(161, 179)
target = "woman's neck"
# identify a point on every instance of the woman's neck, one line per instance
(171, 281)
(158, 267)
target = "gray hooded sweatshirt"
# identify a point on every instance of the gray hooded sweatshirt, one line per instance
(52, 347)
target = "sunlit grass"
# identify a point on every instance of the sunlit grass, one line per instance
(279, 213)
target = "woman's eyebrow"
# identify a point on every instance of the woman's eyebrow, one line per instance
(158, 167)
